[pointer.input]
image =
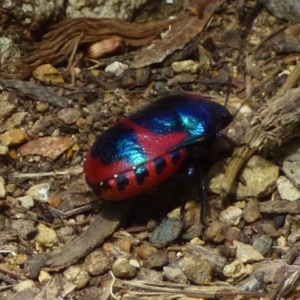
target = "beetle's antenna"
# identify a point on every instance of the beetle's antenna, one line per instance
(228, 95)
(229, 86)
(238, 110)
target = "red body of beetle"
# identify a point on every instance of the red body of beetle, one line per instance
(145, 149)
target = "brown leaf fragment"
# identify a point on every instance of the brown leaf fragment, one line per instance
(179, 35)
(35, 92)
(197, 7)
(51, 147)
(64, 37)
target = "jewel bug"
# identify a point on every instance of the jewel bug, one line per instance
(148, 147)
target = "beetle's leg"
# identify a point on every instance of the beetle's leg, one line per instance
(202, 194)
(231, 142)
(228, 140)
(196, 176)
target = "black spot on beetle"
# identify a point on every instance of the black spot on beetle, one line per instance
(122, 182)
(141, 173)
(160, 165)
(105, 185)
(175, 156)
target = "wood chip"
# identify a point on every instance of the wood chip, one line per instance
(50, 147)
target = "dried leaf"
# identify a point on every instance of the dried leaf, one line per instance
(64, 37)
(197, 7)
(180, 34)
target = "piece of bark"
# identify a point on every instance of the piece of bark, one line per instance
(102, 227)
(280, 207)
(179, 35)
(34, 91)
(274, 123)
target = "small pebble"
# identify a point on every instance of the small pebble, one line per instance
(69, 115)
(39, 191)
(34, 264)
(254, 283)
(46, 237)
(44, 277)
(10, 188)
(237, 269)
(234, 233)
(216, 231)
(287, 190)
(3, 149)
(26, 201)
(125, 244)
(24, 285)
(145, 250)
(279, 220)
(196, 268)
(287, 10)
(13, 137)
(267, 227)
(2, 188)
(168, 231)
(134, 262)
(191, 213)
(251, 211)
(288, 157)
(116, 68)
(188, 66)
(21, 259)
(65, 234)
(77, 276)
(149, 275)
(232, 215)
(259, 178)
(157, 259)
(122, 269)
(26, 229)
(42, 106)
(263, 244)
(246, 253)
(97, 262)
(174, 274)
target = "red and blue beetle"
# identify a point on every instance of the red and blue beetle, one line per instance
(143, 150)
